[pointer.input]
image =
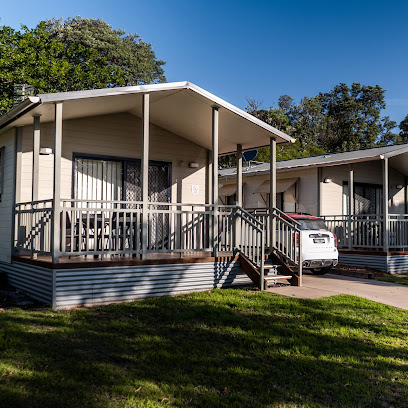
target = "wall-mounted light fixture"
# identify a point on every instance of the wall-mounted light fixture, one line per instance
(399, 186)
(327, 180)
(46, 150)
(193, 165)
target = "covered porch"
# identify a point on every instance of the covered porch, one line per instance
(125, 206)
(375, 216)
(107, 210)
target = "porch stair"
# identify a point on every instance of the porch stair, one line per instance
(275, 271)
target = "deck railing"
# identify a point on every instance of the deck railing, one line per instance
(106, 227)
(286, 239)
(368, 231)
(33, 227)
(357, 231)
(115, 227)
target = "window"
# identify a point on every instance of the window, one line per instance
(367, 198)
(119, 179)
(98, 179)
(1, 172)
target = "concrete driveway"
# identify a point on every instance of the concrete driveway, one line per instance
(329, 285)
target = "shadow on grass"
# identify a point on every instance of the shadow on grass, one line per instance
(224, 348)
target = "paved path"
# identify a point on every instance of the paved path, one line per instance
(329, 285)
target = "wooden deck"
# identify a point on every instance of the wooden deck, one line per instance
(45, 261)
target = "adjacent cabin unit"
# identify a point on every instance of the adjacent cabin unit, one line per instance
(372, 227)
(112, 194)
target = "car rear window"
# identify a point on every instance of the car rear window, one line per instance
(307, 224)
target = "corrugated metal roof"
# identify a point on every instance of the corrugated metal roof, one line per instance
(330, 159)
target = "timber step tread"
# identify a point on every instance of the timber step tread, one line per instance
(269, 266)
(275, 277)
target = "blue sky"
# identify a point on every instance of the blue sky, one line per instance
(258, 49)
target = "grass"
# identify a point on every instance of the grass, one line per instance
(402, 278)
(226, 348)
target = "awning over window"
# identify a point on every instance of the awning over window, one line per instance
(227, 189)
(281, 185)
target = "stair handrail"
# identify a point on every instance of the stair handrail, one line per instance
(285, 216)
(253, 219)
(253, 250)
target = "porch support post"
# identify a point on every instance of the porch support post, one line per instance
(35, 176)
(319, 191)
(17, 186)
(19, 161)
(36, 158)
(239, 175)
(239, 202)
(350, 207)
(405, 195)
(209, 194)
(56, 225)
(215, 121)
(385, 204)
(209, 199)
(272, 194)
(145, 172)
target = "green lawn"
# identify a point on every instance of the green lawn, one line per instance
(402, 278)
(227, 348)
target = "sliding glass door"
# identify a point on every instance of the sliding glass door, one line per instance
(110, 179)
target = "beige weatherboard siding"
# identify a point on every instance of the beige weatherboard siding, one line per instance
(117, 135)
(367, 173)
(7, 140)
(300, 194)
(305, 191)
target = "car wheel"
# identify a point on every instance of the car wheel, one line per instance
(321, 271)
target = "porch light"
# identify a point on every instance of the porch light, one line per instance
(46, 150)
(193, 165)
(327, 180)
(399, 186)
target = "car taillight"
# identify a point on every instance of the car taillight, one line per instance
(296, 239)
(335, 240)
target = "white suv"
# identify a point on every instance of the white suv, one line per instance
(319, 245)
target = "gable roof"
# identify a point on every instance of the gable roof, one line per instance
(330, 159)
(179, 107)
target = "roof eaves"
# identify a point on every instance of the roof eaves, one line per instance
(29, 103)
(239, 112)
(95, 93)
(124, 90)
(396, 152)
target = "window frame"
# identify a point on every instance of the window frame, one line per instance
(346, 195)
(125, 161)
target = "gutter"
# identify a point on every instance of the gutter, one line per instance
(22, 108)
(310, 166)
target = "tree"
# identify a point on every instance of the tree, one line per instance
(30, 57)
(404, 129)
(120, 59)
(353, 116)
(73, 55)
(386, 137)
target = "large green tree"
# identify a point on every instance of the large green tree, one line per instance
(404, 129)
(71, 55)
(353, 116)
(345, 118)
